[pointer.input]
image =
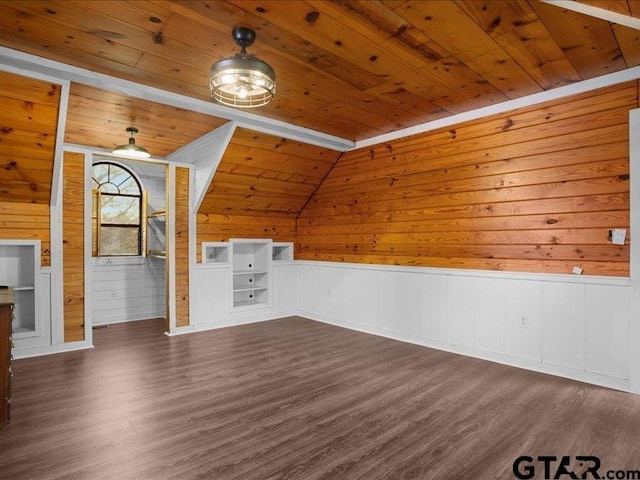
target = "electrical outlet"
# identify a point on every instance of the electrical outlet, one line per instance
(114, 293)
(328, 293)
(524, 322)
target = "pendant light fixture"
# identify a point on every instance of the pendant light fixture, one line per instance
(131, 149)
(243, 80)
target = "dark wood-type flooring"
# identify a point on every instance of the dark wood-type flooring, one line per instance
(297, 399)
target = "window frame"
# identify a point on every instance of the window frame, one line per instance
(96, 214)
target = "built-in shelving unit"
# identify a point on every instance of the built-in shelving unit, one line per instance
(215, 253)
(282, 251)
(250, 273)
(20, 270)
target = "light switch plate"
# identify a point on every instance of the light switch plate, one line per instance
(577, 270)
(618, 236)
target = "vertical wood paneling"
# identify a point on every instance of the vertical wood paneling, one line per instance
(73, 246)
(536, 189)
(182, 246)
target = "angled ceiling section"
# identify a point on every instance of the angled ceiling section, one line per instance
(353, 69)
(28, 124)
(98, 118)
(264, 175)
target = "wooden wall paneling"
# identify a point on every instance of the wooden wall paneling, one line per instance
(182, 215)
(20, 221)
(539, 195)
(73, 246)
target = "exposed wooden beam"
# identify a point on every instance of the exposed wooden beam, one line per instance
(30, 63)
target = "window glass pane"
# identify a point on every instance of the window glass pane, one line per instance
(118, 175)
(130, 186)
(108, 188)
(100, 173)
(94, 184)
(118, 241)
(117, 209)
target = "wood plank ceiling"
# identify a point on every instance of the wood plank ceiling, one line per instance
(354, 69)
(261, 175)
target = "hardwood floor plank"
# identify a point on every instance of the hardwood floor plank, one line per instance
(296, 399)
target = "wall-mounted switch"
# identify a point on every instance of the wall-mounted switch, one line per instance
(618, 236)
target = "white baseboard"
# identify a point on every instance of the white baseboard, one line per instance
(50, 349)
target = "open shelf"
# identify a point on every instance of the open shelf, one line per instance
(251, 273)
(215, 253)
(20, 270)
(282, 251)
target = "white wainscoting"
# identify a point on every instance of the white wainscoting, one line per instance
(568, 325)
(211, 305)
(126, 289)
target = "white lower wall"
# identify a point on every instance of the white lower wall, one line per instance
(211, 302)
(573, 326)
(126, 289)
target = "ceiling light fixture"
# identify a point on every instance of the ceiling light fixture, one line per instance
(243, 80)
(131, 149)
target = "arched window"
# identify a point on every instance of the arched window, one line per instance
(117, 211)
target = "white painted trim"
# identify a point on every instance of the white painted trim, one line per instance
(58, 70)
(542, 367)
(463, 272)
(57, 278)
(217, 145)
(528, 101)
(62, 122)
(634, 333)
(88, 259)
(28, 352)
(123, 320)
(192, 245)
(103, 152)
(601, 13)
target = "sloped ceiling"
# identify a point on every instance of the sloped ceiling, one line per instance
(354, 69)
(28, 123)
(351, 68)
(264, 175)
(99, 118)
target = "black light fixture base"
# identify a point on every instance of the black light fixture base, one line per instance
(243, 36)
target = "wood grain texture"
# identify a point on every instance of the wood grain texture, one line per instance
(73, 246)
(536, 189)
(28, 123)
(27, 221)
(181, 243)
(296, 399)
(265, 175)
(99, 118)
(354, 69)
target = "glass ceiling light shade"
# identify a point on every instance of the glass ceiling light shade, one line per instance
(131, 149)
(243, 80)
